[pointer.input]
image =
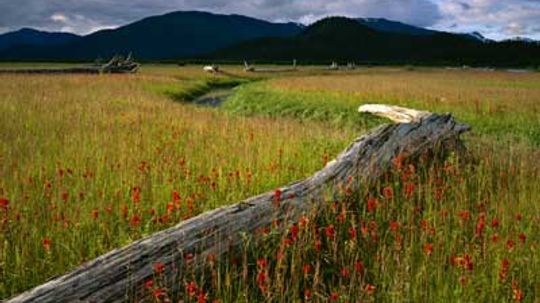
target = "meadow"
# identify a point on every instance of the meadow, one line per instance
(88, 164)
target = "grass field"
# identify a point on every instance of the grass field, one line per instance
(88, 164)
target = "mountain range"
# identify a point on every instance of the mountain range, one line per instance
(343, 39)
(208, 36)
(169, 36)
(32, 37)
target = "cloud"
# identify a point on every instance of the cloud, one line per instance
(59, 18)
(495, 19)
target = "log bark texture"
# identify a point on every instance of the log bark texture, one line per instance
(107, 278)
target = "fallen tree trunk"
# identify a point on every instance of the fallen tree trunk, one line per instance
(109, 277)
(117, 65)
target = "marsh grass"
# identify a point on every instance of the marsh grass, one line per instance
(91, 163)
(88, 164)
(445, 232)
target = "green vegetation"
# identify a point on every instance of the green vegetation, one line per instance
(101, 161)
(500, 105)
(263, 99)
(91, 163)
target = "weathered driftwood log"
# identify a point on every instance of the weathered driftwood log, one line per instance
(109, 277)
(117, 65)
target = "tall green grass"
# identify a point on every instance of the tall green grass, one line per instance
(91, 163)
(341, 109)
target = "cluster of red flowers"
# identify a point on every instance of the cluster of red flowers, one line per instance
(464, 261)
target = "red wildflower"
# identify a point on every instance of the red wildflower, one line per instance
(394, 226)
(306, 269)
(261, 280)
(159, 267)
(522, 238)
(158, 293)
(334, 296)
(358, 266)
(317, 245)
(465, 215)
(388, 193)
(201, 298)
(364, 229)
(510, 244)
(287, 242)
(277, 197)
(136, 194)
(307, 294)
(495, 238)
(517, 293)
(170, 207)
(494, 222)
(95, 213)
(330, 231)
(345, 272)
(47, 244)
(408, 190)
(294, 230)
(342, 217)
(64, 196)
(135, 220)
(480, 225)
(176, 197)
(398, 161)
(149, 284)
(428, 249)
(191, 288)
(261, 277)
(262, 263)
(352, 233)
(505, 268)
(369, 289)
(519, 216)
(303, 221)
(464, 261)
(125, 211)
(4, 203)
(371, 204)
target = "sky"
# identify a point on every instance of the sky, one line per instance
(495, 19)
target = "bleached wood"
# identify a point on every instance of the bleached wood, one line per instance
(108, 278)
(395, 113)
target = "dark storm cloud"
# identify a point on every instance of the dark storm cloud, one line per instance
(498, 18)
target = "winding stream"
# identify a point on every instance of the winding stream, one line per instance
(215, 97)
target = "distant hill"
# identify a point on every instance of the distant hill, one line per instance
(344, 39)
(32, 37)
(390, 26)
(174, 35)
(207, 36)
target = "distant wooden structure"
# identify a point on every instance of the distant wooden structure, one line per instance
(110, 277)
(250, 68)
(117, 65)
(333, 66)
